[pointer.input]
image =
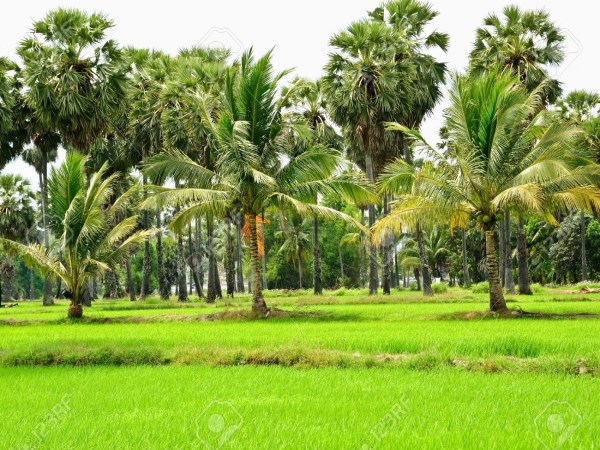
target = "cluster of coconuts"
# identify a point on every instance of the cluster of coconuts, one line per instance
(485, 219)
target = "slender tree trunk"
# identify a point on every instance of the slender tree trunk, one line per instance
(396, 268)
(524, 287)
(465, 264)
(146, 263)
(240, 268)
(299, 272)
(47, 299)
(211, 294)
(373, 275)
(59, 294)
(163, 289)
(425, 270)
(509, 278)
(501, 247)
(193, 263)
(199, 251)
(361, 256)
(584, 264)
(317, 281)
(31, 285)
(497, 302)
(264, 255)
(130, 284)
(417, 273)
(342, 279)
(386, 259)
(258, 302)
(182, 294)
(229, 263)
(110, 285)
(217, 279)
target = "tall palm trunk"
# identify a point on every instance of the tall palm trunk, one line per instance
(373, 275)
(497, 302)
(146, 263)
(509, 278)
(240, 269)
(163, 289)
(229, 263)
(182, 294)
(386, 259)
(47, 300)
(258, 302)
(584, 264)
(31, 285)
(193, 263)
(264, 255)
(130, 284)
(501, 247)
(424, 265)
(317, 281)
(299, 271)
(342, 277)
(59, 294)
(211, 294)
(361, 256)
(199, 252)
(524, 287)
(465, 264)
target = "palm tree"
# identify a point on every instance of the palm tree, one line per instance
(16, 221)
(75, 77)
(361, 84)
(252, 168)
(307, 103)
(14, 115)
(580, 107)
(91, 242)
(526, 43)
(44, 151)
(295, 242)
(497, 159)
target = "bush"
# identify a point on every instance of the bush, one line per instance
(439, 288)
(537, 288)
(481, 288)
(413, 286)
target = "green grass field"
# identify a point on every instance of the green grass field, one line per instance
(340, 371)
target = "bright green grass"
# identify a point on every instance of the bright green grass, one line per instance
(274, 407)
(456, 383)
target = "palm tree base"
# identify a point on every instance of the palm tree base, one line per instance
(75, 311)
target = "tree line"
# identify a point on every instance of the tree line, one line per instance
(183, 168)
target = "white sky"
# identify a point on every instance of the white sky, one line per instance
(300, 31)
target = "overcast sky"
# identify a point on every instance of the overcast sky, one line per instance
(300, 31)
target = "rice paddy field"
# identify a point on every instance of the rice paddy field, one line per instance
(339, 371)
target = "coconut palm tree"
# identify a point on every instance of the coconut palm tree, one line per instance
(295, 243)
(17, 220)
(503, 152)
(252, 166)
(75, 76)
(91, 243)
(526, 43)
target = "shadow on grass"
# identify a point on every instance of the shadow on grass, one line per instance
(511, 314)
